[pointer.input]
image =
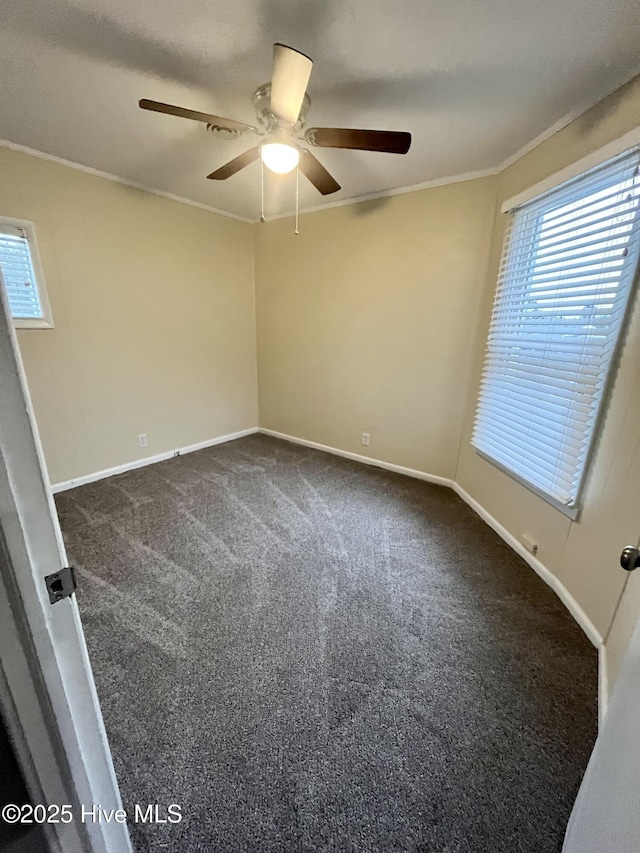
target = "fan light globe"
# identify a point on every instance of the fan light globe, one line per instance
(279, 157)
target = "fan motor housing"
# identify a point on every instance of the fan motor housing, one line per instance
(271, 124)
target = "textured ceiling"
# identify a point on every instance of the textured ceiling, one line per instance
(473, 80)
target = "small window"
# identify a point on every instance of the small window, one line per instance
(22, 275)
(565, 284)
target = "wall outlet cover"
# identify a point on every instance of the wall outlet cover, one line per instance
(529, 543)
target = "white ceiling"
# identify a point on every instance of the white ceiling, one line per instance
(473, 80)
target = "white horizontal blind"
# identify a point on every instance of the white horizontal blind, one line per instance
(18, 274)
(564, 284)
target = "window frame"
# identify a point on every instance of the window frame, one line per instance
(536, 193)
(46, 321)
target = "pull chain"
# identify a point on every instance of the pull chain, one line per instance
(297, 199)
(262, 219)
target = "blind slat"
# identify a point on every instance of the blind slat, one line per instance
(564, 286)
(17, 272)
(521, 241)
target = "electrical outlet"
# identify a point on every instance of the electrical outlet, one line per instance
(142, 439)
(365, 439)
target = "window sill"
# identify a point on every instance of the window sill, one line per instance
(572, 512)
(32, 324)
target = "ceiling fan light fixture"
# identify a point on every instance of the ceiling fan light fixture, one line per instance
(279, 157)
(281, 109)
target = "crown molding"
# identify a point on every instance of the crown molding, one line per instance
(116, 179)
(620, 145)
(436, 182)
(425, 185)
(558, 126)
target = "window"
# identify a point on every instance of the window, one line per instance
(564, 287)
(22, 275)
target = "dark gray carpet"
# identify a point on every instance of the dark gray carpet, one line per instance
(308, 654)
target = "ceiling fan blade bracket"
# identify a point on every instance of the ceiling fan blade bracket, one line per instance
(224, 132)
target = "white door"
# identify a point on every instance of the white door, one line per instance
(606, 814)
(47, 692)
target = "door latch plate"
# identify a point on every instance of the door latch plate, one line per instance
(61, 584)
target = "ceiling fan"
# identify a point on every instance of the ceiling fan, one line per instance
(281, 107)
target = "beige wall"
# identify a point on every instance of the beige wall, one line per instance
(366, 319)
(372, 320)
(153, 304)
(582, 555)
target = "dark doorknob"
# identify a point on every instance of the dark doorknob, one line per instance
(630, 558)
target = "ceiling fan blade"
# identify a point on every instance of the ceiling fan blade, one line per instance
(289, 77)
(235, 165)
(313, 169)
(388, 141)
(181, 112)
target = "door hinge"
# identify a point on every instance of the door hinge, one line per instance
(62, 584)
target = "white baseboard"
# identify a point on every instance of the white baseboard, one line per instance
(357, 457)
(547, 576)
(539, 568)
(560, 590)
(149, 460)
